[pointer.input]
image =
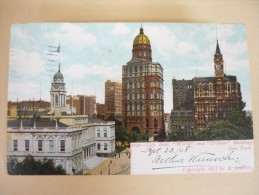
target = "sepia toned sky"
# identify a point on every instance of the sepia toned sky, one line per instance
(92, 53)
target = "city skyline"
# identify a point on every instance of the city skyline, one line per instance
(95, 52)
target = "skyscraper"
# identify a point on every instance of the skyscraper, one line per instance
(205, 99)
(215, 97)
(112, 99)
(142, 90)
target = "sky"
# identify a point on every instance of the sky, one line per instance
(92, 53)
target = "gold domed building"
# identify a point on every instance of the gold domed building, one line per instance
(142, 90)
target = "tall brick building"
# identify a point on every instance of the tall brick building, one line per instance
(112, 99)
(215, 97)
(209, 98)
(142, 90)
(83, 104)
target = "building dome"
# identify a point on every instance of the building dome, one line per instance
(141, 47)
(141, 38)
(58, 75)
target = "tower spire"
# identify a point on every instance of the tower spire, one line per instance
(217, 49)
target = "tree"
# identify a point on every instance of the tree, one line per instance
(239, 118)
(121, 134)
(30, 166)
(221, 130)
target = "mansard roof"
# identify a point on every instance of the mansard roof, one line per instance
(27, 123)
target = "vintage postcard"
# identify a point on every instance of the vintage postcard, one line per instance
(129, 98)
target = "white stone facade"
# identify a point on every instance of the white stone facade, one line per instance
(71, 144)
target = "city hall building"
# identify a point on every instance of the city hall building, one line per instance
(72, 141)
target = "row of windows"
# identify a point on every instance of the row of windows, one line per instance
(155, 121)
(182, 127)
(136, 96)
(99, 133)
(40, 145)
(136, 106)
(140, 84)
(136, 69)
(182, 121)
(105, 146)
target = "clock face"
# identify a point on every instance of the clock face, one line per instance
(218, 66)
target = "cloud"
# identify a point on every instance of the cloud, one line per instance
(230, 49)
(18, 32)
(16, 90)
(73, 35)
(119, 29)
(185, 47)
(103, 70)
(25, 63)
(166, 42)
(232, 64)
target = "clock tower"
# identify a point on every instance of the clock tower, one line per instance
(218, 62)
(58, 93)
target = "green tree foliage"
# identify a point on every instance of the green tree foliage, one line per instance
(30, 166)
(121, 134)
(220, 130)
(245, 123)
(236, 126)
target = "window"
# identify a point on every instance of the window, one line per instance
(98, 146)
(39, 145)
(200, 89)
(155, 95)
(154, 83)
(228, 89)
(135, 106)
(62, 145)
(56, 99)
(15, 145)
(105, 146)
(105, 133)
(155, 123)
(98, 133)
(147, 123)
(155, 106)
(51, 145)
(27, 145)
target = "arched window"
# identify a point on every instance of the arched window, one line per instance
(200, 89)
(155, 122)
(210, 89)
(147, 122)
(135, 106)
(56, 99)
(98, 146)
(136, 96)
(155, 106)
(155, 82)
(105, 146)
(135, 85)
(155, 95)
(228, 88)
